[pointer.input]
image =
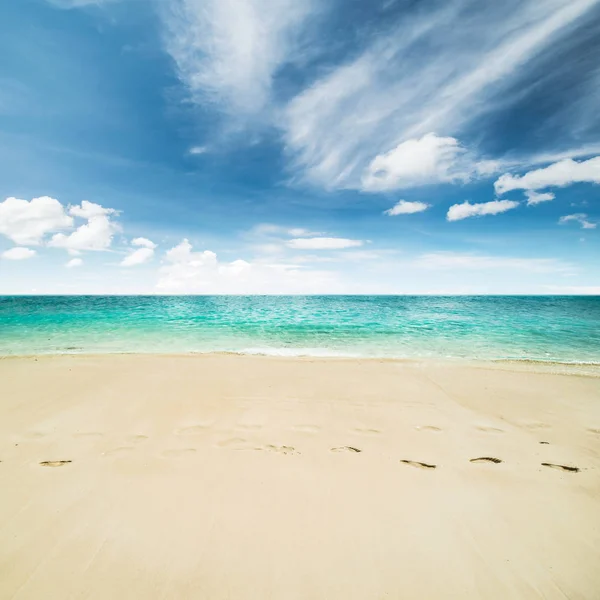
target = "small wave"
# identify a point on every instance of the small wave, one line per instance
(317, 352)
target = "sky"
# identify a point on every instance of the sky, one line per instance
(300, 147)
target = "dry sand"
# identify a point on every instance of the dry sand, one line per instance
(213, 477)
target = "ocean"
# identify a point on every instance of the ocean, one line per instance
(541, 328)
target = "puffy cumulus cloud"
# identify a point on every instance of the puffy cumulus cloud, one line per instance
(559, 174)
(143, 242)
(406, 208)
(464, 261)
(430, 159)
(322, 243)
(183, 254)
(187, 271)
(27, 222)
(97, 234)
(89, 210)
(465, 210)
(73, 263)
(18, 254)
(534, 198)
(580, 218)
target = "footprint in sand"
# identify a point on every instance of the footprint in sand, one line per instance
(489, 429)
(594, 430)
(562, 467)
(279, 449)
(117, 451)
(55, 463)
(193, 429)
(419, 465)
(178, 452)
(486, 459)
(366, 431)
(346, 449)
(428, 428)
(235, 444)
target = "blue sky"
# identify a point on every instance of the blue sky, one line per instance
(300, 146)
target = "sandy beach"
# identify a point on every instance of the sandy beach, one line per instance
(240, 477)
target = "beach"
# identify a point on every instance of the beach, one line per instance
(249, 477)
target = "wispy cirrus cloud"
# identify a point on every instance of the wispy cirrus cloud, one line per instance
(388, 117)
(424, 76)
(228, 51)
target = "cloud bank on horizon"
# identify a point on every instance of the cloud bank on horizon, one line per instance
(284, 134)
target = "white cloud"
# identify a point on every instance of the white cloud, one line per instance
(137, 257)
(560, 174)
(534, 198)
(430, 159)
(458, 261)
(96, 234)
(90, 210)
(188, 271)
(18, 254)
(143, 242)
(143, 254)
(406, 208)
(198, 150)
(589, 150)
(322, 243)
(27, 222)
(437, 71)
(465, 210)
(580, 218)
(227, 51)
(73, 263)
(183, 254)
(298, 232)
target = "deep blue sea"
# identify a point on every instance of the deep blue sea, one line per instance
(553, 328)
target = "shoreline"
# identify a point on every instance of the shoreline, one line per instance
(529, 365)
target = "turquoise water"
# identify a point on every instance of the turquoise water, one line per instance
(564, 329)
